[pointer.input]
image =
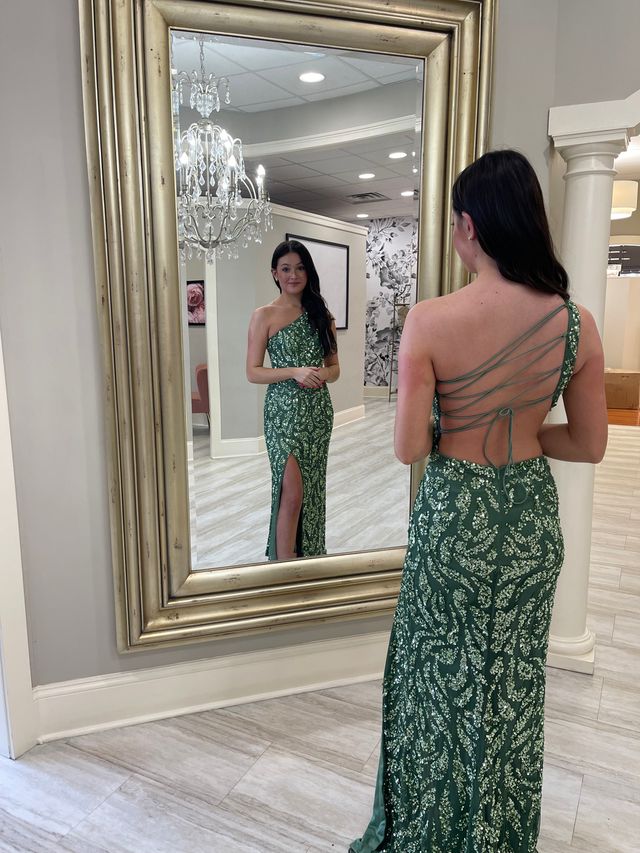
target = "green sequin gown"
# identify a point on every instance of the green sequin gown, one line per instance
(460, 769)
(298, 422)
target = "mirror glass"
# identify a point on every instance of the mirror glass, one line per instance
(341, 158)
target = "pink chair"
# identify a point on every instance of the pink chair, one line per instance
(200, 398)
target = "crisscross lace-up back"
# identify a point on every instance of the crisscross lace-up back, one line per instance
(460, 403)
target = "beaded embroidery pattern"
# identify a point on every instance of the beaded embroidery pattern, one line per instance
(298, 422)
(463, 693)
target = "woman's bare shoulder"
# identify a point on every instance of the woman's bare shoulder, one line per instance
(264, 314)
(427, 308)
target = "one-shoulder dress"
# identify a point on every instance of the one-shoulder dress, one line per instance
(460, 767)
(298, 422)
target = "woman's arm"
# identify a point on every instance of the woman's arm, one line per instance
(416, 387)
(331, 370)
(584, 437)
(257, 373)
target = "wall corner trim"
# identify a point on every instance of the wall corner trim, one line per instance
(87, 705)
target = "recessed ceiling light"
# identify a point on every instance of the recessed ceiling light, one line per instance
(362, 215)
(366, 176)
(397, 155)
(311, 77)
(415, 170)
(406, 193)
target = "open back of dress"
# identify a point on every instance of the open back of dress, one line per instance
(463, 695)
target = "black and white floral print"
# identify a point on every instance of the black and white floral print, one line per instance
(391, 271)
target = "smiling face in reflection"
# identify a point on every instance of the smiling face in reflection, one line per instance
(290, 274)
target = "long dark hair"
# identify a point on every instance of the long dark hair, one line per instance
(501, 194)
(312, 300)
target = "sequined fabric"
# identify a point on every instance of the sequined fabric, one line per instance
(460, 767)
(298, 422)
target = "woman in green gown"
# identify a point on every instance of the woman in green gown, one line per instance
(299, 334)
(460, 768)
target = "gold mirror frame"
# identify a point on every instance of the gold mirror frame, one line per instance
(126, 82)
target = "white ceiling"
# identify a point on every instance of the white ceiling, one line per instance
(263, 76)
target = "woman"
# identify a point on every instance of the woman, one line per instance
(463, 695)
(299, 333)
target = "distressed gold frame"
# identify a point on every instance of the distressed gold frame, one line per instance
(126, 80)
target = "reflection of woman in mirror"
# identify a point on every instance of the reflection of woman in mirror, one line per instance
(299, 333)
(463, 707)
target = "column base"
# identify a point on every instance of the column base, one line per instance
(576, 654)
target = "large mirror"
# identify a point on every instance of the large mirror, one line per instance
(357, 167)
(337, 134)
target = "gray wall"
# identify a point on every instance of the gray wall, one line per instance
(245, 284)
(50, 332)
(525, 76)
(597, 56)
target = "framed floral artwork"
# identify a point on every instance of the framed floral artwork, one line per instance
(195, 302)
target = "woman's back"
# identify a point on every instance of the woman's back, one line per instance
(497, 351)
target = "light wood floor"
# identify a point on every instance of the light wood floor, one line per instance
(296, 774)
(367, 495)
(624, 417)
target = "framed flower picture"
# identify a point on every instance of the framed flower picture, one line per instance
(195, 302)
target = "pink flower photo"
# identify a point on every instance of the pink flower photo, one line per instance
(195, 303)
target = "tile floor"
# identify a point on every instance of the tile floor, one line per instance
(296, 774)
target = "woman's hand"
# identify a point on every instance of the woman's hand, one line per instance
(308, 377)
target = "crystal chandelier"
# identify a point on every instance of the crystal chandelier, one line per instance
(219, 207)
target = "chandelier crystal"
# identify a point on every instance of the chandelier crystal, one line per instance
(220, 209)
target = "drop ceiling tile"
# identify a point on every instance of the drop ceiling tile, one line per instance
(387, 142)
(337, 74)
(400, 77)
(278, 187)
(310, 201)
(391, 187)
(263, 106)
(269, 162)
(381, 174)
(339, 92)
(343, 163)
(404, 69)
(311, 155)
(185, 56)
(381, 156)
(291, 172)
(258, 56)
(250, 88)
(322, 183)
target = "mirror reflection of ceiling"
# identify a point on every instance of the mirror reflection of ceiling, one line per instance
(315, 139)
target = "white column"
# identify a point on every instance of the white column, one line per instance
(18, 712)
(585, 246)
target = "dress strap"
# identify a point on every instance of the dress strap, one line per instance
(463, 396)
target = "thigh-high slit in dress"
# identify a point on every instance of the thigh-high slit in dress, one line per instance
(460, 766)
(298, 423)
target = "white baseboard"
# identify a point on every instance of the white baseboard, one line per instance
(121, 699)
(224, 447)
(376, 391)
(348, 416)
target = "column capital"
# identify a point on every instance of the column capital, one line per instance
(600, 145)
(591, 158)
